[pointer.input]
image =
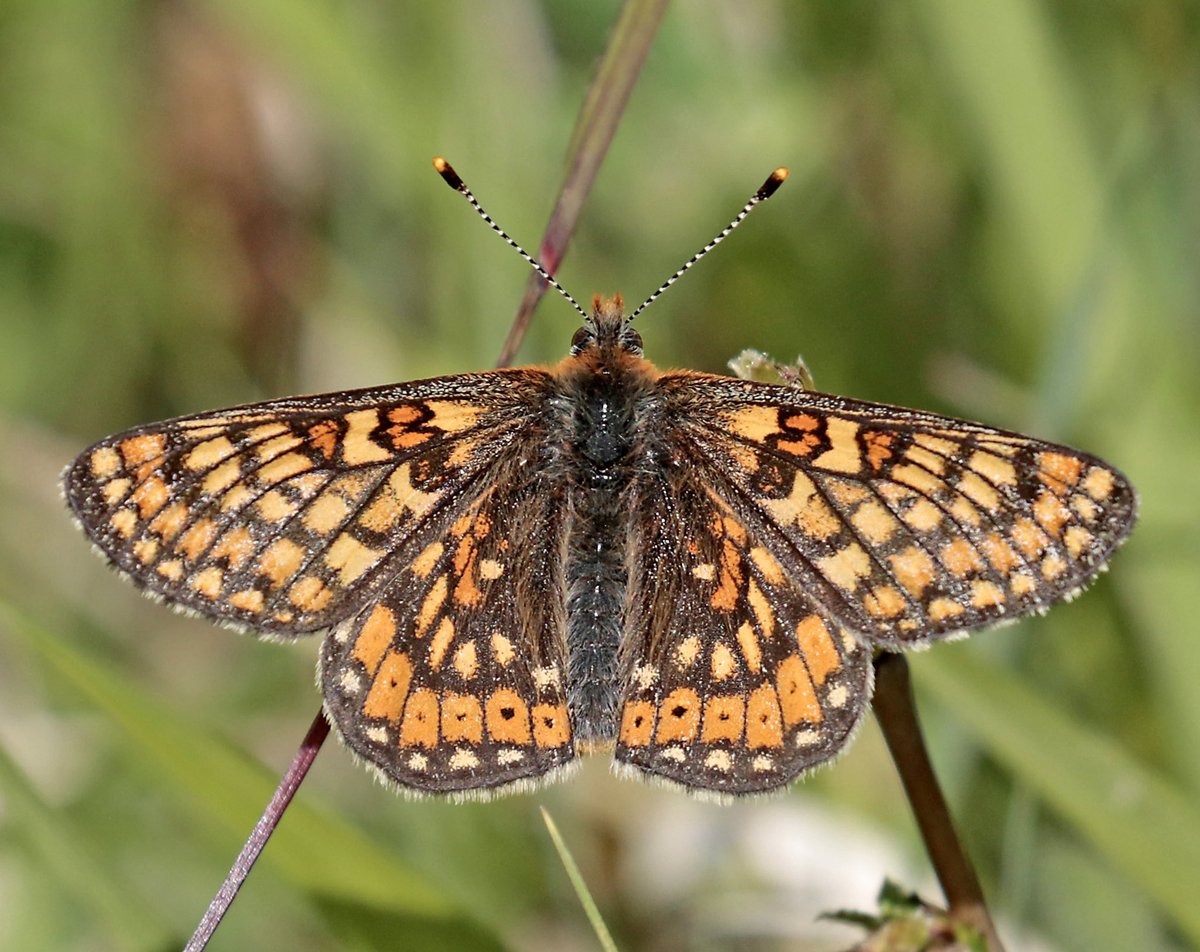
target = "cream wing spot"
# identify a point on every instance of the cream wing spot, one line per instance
(843, 455)
(209, 453)
(765, 562)
(687, 652)
(431, 606)
(145, 550)
(281, 468)
(222, 477)
(1085, 508)
(142, 449)
(719, 760)
(546, 676)
(845, 567)
(1053, 565)
(207, 582)
(645, 676)
(350, 558)
(502, 650)
(748, 643)
(124, 522)
(874, 523)
(838, 696)
(236, 546)
(979, 490)
(724, 664)
(804, 508)
(326, 514)
(915, 477)
(924, 457)
(1077, 539)
(248, 600)
(357, 446)
(466, 661)
(427, 561)
(275, 507)
(310, 594)
(277, 446)
(440, 643)
(463, 759)
(923, 516)
(913, 569)
(116, 490)
(280, 560)
(264, 432)
(105, 462)
(490, 569)
(1098, 483)
(985, 594)
(993, 468)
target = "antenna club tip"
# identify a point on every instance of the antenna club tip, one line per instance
(446, 171)
(774, 180)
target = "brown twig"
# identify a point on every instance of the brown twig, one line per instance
(896, 711)
(262, 831)
(616, 74)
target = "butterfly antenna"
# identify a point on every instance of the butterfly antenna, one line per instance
(769, 187)
(446, 171)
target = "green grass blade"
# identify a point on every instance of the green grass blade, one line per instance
(585, 897)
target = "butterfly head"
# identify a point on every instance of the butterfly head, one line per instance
(607, 329)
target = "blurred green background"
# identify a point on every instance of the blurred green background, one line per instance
(994, 212)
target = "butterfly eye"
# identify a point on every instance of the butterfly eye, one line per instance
(631, 340)
(583, 337)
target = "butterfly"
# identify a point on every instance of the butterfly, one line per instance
(519, 566)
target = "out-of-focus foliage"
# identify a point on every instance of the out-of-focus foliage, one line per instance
(994, 211)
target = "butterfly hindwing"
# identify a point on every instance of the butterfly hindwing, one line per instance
(287, 516)
(453, 680)
(905, 526)
(737, 680)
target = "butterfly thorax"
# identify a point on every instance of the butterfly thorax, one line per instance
(606, 388)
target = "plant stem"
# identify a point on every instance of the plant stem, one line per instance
(896, 711)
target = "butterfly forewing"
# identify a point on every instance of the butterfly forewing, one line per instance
(906, 526)
(288, 516)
